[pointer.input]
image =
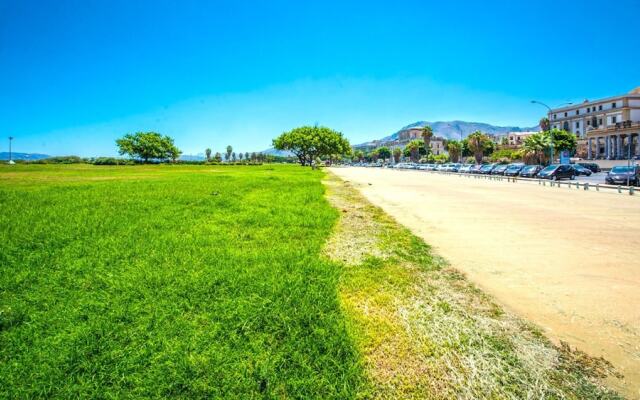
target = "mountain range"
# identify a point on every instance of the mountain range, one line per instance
(4, 155)
(454, 130)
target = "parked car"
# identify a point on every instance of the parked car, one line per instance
(476, 169)
(465, 168)
(593, 167)
(486, 169)
(580, 170)
(499, 169)
(530, 171)
(513, 169)
(620, 175)
(557, 171)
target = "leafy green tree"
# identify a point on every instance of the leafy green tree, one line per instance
(454, 148)
(218, 157)
(384, 152)
(311, 142)
(233, 156)
(397, 153)
(148, 146)
(240, 156)
(207, 152)
(563, 140)
(374, 155)
(427, 134)
(358, 155)
(477, 143)
(246, 155)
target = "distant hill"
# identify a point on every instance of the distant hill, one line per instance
(278, 153)
(23, 156)
(454, 129)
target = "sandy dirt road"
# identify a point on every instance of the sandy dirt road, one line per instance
(568, 260)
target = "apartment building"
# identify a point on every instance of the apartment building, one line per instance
(608, 128)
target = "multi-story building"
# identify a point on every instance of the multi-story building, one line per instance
(606, 129)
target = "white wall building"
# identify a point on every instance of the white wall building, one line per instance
(610, 127)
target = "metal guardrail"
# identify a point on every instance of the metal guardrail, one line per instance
(543, 182)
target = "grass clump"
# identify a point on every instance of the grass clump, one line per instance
(425, 332)
(170, 281)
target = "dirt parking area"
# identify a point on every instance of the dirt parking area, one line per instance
(568, 260)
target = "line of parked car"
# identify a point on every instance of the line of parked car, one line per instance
(619, 175)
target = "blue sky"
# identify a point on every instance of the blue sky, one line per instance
(75, 75)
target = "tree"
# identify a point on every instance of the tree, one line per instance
(427, 134)
(208, 154)
(233, 156)
(537, 146)
(311, 142)
(397, 153)
(229, 151)
(563, 140)
(148, 146)
(454, 148)
(246, 155)
(477, 143)
(374, 155)
(240, 156)
(358, 155)
(384, 152)
(218, 157)
(414, 149)
(544, 124)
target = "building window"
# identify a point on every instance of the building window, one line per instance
(565, 114)
(613, 105)
(588, 123)
(614, 119)
(588, 110)
(578, 112)
(600, 121)
(566, 126)
(554, 116)
(577, 125)
(600, 107)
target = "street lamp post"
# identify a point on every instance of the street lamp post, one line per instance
(10, 153)
(549, 123)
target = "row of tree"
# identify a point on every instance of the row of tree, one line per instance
(232, 156)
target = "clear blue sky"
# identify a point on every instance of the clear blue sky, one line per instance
(75, 75)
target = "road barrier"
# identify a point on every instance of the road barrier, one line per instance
(570, 184)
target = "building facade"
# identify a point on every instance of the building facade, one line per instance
(606, 129)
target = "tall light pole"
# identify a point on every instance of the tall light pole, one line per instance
(10, 153)
(549, 123)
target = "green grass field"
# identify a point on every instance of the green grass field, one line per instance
(169, 281)
(246, 282)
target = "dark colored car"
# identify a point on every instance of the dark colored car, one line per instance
(556, 172)
(593, 167)
(513, 169)
(499, 169)
(475, 169)
(530, 171)
(580, 170)
(620, 175)
(486, 169)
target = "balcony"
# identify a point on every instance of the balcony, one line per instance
(619, 128)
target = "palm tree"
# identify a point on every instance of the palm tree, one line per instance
(544, 124)
(427, 134)
(359, 155)
(477, 142)
(246, 155)
(240, 156)
(537, 146)
(414, 149)
(454, 148)
(229, 151)
(208, 153)
(397, 153)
